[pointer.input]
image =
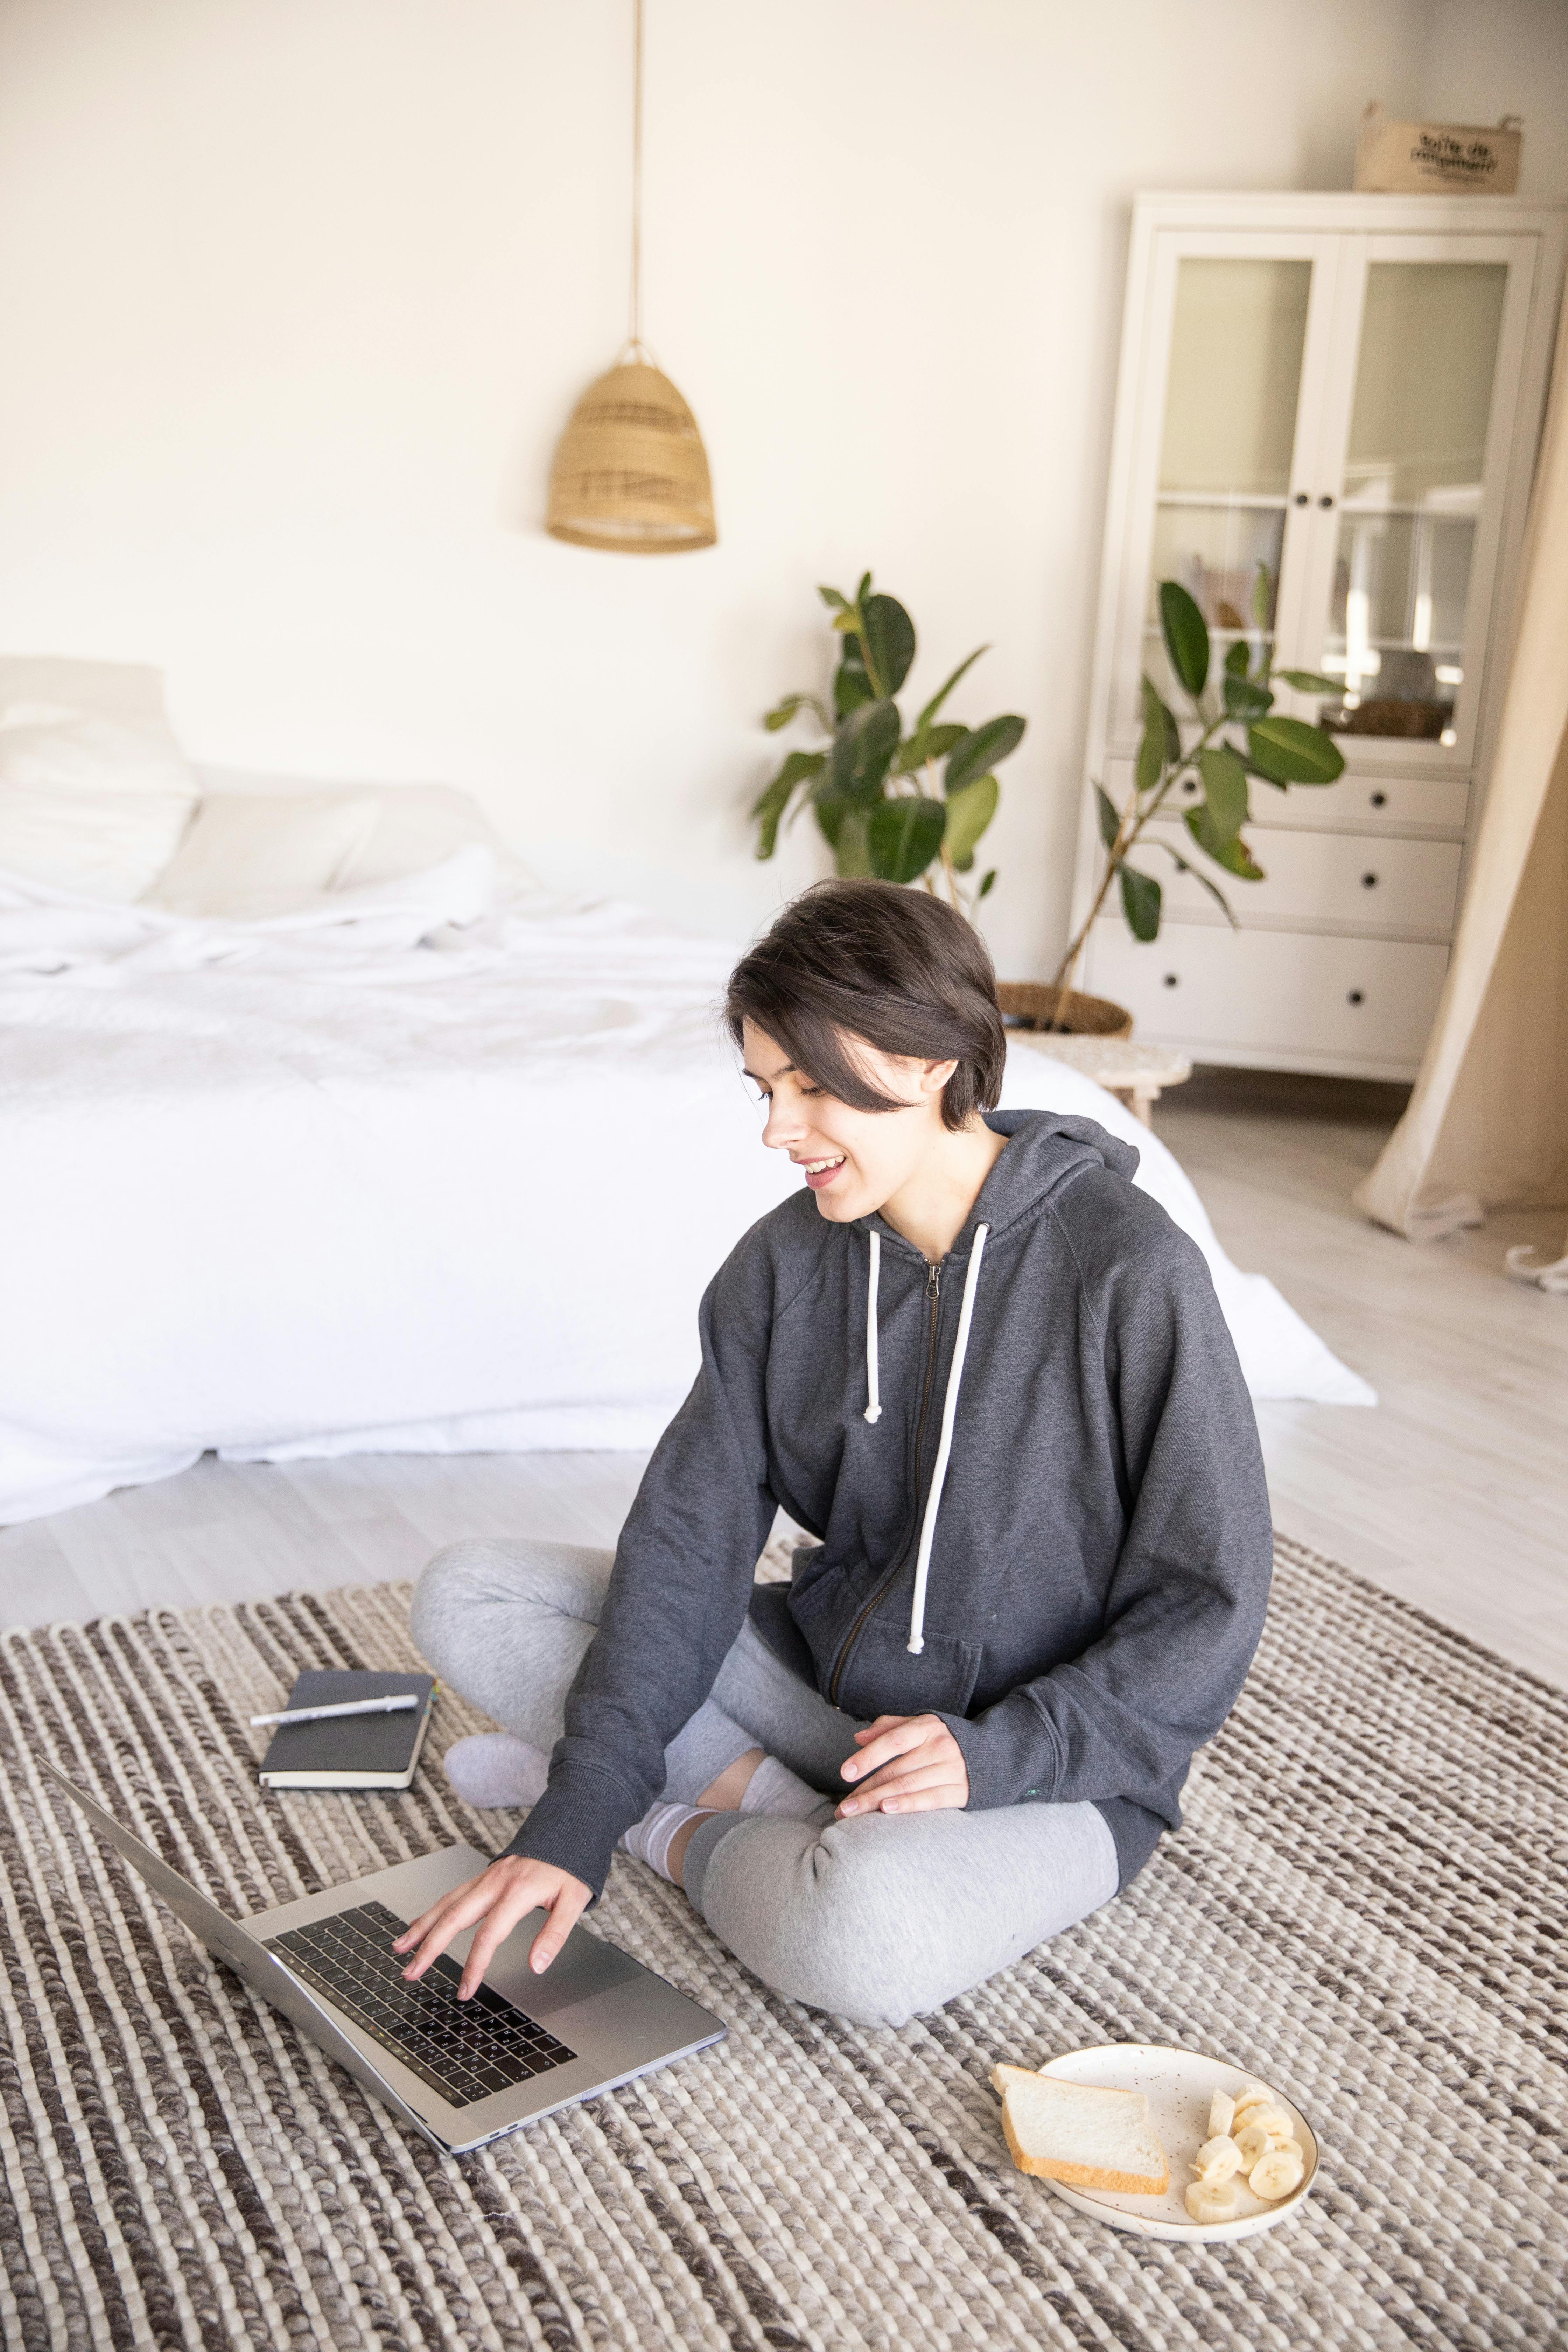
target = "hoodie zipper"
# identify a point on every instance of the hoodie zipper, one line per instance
(934, 1294)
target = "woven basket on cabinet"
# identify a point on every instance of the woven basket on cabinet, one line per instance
(1034, 1005)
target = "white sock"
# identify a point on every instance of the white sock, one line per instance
(496, 1768)
(774, 1788)
(651, 1838)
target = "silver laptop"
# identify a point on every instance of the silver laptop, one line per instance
(460, 2072)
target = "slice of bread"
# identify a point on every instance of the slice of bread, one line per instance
(1088, 2138)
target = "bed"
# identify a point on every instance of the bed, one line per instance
(434, 1161)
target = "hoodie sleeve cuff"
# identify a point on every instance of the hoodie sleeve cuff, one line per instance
(1011, 1754)
(575, 1826)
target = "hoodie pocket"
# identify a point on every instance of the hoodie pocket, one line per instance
(880, 1677)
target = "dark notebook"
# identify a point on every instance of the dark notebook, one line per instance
(350, 1751)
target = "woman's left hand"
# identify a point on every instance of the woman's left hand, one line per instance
(907, 1764)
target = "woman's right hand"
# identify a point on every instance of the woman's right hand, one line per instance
(502, 1895)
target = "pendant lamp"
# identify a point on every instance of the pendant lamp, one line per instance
(631, 473)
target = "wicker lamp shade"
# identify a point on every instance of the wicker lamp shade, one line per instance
(631, 473)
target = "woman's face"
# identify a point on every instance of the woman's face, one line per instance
(853, 1160)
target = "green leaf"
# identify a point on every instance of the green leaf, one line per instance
(985, 886)
(1139, 902)
(1246, 697)
(772, 802)
(969, 811)
(888, 638)
(903, 838)
(1215, 893)
(851, 686)
(834, 601)
(1225, 790)
(1311, 681)
(1238, 658)
(940, 697)
(1109, 817)
(1262, 596)
(1186, 638)
(1232, 854)
(1288, 752)
(935, 743)
(863, 749)
(1155, 744)
(851, 852)
(864, 590)
(981, 749)
(783, 712)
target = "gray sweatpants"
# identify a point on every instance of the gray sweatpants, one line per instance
(876, 1918)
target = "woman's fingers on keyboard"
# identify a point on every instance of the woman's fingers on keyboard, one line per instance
(434, 1929)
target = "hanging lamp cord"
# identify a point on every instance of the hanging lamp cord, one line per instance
(636, 343)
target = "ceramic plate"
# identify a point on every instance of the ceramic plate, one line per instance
(1179, 2084)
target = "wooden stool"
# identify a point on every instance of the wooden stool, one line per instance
(1126, 1065)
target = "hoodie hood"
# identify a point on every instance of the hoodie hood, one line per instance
(1047, 1152)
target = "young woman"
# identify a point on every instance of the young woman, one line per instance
(992, 1380)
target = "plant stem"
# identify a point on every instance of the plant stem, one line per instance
(1127, 838)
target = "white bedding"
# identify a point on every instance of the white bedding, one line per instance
(407, 1170)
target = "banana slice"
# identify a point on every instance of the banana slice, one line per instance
(1219, 2159)
(1271, 2118)
(1251, 2091)
(1255, 2141)
(1222, 2115)
(1211, 2201)
(1274, 2175)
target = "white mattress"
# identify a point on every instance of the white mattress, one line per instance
(405, 1173)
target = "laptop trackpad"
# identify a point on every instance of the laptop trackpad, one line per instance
(586, 1966)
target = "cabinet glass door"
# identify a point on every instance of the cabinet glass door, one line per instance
(1233, 397)
(1418, 502)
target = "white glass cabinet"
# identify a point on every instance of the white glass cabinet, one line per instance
(1326, 421)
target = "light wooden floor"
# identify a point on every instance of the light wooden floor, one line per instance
(1452, 1493)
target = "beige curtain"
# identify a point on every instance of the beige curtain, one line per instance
(1486, 1126)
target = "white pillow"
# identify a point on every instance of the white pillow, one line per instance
(249, 856)
(128, 693)
(87, 805)
(420, 826)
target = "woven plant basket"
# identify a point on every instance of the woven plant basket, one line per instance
(631, 473)
(1033, 1004)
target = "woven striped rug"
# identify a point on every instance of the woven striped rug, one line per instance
(1365, 1906)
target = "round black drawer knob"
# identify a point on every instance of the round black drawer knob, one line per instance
(1380, 800)
(1325, 502)
(1369, 881)
(1173, 979)
(1301, 498)
(1355, 997)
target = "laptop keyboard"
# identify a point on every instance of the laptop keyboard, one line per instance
(466, 2050)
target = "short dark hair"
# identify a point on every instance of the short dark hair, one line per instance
(897, 968)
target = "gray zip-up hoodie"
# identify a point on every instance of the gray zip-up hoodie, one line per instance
(1034, 1477)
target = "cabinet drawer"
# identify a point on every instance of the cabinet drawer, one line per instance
(1361, 803)
(1306, 996)
(1341, 880)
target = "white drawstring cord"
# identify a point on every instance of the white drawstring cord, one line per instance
(949, 1410)
(874, 1401)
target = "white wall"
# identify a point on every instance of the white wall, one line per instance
(297, 294)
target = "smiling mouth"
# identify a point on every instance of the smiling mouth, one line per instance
(818, 1173)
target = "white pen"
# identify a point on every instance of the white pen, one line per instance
(350, 1706)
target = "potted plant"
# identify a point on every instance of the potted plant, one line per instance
(1216, 767)
(905, 803)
